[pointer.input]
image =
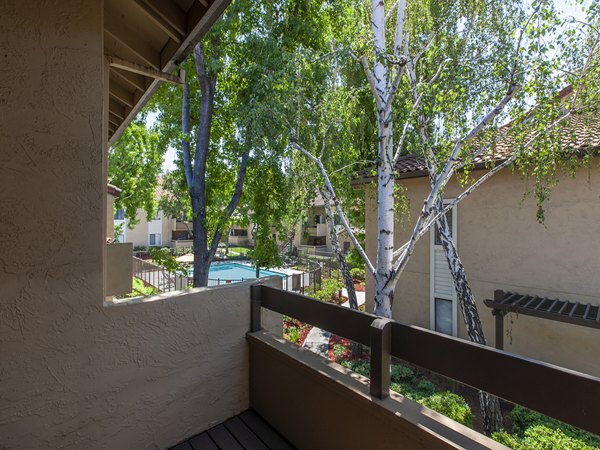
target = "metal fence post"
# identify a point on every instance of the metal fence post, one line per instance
(381, 346)
(255, 302)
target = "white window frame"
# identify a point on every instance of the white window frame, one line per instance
(432, 295)
(156, 244)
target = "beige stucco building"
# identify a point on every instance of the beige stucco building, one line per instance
(158, 231)
(503, 246)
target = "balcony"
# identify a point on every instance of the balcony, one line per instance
(158, 371)
(78, 372)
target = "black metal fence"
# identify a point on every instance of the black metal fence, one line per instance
(308, 280)
(158, 277)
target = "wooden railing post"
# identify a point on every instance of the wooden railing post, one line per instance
(255, 305)
(499, 296)
(381, 346)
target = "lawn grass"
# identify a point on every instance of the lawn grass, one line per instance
(239, 250)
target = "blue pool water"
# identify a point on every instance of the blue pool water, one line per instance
(237, 272)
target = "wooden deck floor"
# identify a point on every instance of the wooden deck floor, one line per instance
(245, 431)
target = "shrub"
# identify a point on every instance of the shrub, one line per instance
(426, 388)
(450, 405)
(524, 419)
(357, 273)
(507, 439)
(402, 374)
(360, 367)
(139, 248)
(354, 259)
(541, 437)
(328, 289)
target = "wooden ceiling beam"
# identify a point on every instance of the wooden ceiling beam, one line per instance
(159, 20)
(114, 120)
(132, 40)
(170, 13)
(121, 94)
(134, 80)
(117, 109)
(139, 69)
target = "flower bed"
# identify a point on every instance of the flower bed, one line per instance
(295, 331)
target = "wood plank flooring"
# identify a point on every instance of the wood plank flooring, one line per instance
(247, 431)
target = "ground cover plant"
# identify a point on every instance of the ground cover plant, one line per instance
(532, 430)
(139, 288)
(406, 382)
(295, 331)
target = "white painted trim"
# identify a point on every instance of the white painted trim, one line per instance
(432, 273)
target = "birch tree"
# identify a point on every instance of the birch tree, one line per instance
(450, 130)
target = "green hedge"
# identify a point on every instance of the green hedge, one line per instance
(450, 405)
(405, 382)
(532, 430)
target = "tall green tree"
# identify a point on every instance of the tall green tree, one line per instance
(227, 122)
(134, 165)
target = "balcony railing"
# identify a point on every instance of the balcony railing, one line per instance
(567, 395)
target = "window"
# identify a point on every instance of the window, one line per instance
(120, 214)
(154, 239)
(120, 238)
(157, 215)
(443, 300)
(238, 232)
(443, 316)
(318, 219)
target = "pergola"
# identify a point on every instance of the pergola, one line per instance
(576, 313)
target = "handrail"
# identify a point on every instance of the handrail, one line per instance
(564, 394)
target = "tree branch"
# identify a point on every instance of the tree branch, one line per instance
(372, 83)
(185, 128)
(235, 199)
(336, 202)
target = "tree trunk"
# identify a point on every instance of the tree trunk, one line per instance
(343, 265)
(201, 260)
(490, 405)
(384, 270)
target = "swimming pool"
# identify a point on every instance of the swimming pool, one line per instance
(231, 272)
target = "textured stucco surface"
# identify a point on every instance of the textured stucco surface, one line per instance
(119, 269)
(503, 247)
(75, 373)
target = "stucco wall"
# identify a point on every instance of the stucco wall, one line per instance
(110, 216)
(503, 247)
(74, 373)
(119, 269)
(138, 235)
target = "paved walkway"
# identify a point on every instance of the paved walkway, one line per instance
(360, 298)
(317, 340)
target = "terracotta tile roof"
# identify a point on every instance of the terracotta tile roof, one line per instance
(586, 137)
(113, 190)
